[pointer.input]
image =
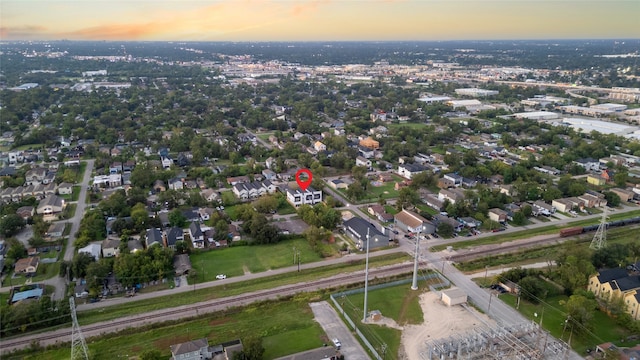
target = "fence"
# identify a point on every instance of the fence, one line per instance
(435, 288)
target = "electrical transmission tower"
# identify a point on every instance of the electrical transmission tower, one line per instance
(78, 345)
(600, 238)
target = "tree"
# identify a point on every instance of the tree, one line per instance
(139, 216)
(10, 224)
(532, 288)
(445, 229)
(580, 310)
(16, 250)
(266, 204)
(151, 355)
(407, 197)
(612, 198)
(177, 218)
(358, 172)
(519, 218)
(80, 263)
(252, 350)
(97, 272)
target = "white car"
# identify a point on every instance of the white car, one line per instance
(337, 343)
(221, 276)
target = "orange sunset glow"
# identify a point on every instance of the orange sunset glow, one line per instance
(300, 20)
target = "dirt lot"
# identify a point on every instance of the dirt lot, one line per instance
(440, 321)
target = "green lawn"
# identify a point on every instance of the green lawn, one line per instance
(235, 260)
(69, 211)
(286, 209)
(374, 193)
(408, 126)
(228, 198)
(45, 271)
(390, 209)
(604, 328)
(285, 327)
(397, 302)
(75, 194)
(233, 289)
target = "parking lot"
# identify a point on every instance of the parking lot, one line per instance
(296, 226)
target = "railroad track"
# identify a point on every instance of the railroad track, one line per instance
(191, 310)
(504, 249)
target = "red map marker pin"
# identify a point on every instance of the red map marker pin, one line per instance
(304, 184)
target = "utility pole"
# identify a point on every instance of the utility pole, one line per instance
(298, 255)
(366, 280)
(414, 283)
(490, 297)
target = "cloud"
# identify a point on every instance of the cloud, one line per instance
(22, 32)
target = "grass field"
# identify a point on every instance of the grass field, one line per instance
(237, 260)
(285, 327)
(397, 302)
(232, 289)
(553, 320)
(374, 193)
(409, 126)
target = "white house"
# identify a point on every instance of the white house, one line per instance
(361, 161)
(408, 170)
(298, 197)
(589, 164)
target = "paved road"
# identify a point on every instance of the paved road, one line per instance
(334, 327)
(58, 282)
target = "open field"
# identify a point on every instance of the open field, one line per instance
(237, 260)
(285, 327)
(374, 193)
(399, 303)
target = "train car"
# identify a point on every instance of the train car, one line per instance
(590, 228)
(571, 231)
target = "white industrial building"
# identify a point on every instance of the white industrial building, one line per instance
(475, 92)
(537, 115)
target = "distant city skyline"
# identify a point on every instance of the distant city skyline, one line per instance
(318, 20)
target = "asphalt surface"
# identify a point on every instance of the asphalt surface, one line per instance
(335, 328)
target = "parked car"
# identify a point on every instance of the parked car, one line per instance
(221, 276)
(337, 343)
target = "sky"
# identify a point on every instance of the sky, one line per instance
(317, 20)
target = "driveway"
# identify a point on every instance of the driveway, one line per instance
(334, 327)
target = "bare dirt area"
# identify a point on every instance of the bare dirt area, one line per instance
(440, 321)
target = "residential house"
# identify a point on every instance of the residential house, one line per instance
(110, 247)
(411, 222)
(540, 207)
(433, 202)
(455, 224)
(338, 184)
(298, 197)
(238, 180)
(469, 222)
(153, 237)
(134, 245)
(197, 236)
(92, 249)
(27, 265)
(55, 231)
(158, 186)
(454, 178)
(408, 170)
(567, 204)
(364, 162)
(234, 234)
(597, 180)
(176, 184)
(358, 229)
(497, 215)
(210, 195)
(172, 236)
(369, 143)
(26, 212)
(51, 205)
(81, 290)
(589, 164)
(65, 188)
(269, 174)
(617, 283)
(319, 146)
(253, 190)
(591, 201)
(35, 176)
(192, 350)
(107, 181)
(380, 213)
(366, 152)
(205, 213)
(182, 266)
(452, 195)
(624, 194)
